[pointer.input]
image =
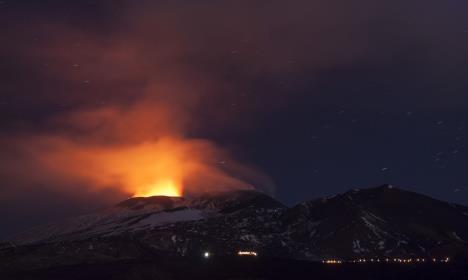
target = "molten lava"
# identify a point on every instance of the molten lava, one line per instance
(165, 187)
(137, 151)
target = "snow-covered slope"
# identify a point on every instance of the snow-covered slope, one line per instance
(376, 222)
(382, 221)
(145, 213)
(125, 210)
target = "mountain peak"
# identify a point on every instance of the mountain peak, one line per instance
(378, 221)
(234, 200)
(162, 202)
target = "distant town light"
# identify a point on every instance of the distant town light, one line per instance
(388, 260)
(247, 253)
(332, 261)
(206, 255)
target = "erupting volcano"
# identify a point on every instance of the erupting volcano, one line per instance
(137, 150)
(163, 187)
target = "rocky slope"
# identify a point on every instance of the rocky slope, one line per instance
(376, 222)
(383, 221)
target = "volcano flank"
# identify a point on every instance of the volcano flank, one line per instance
(381, 222)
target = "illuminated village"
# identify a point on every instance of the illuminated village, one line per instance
(388, 260)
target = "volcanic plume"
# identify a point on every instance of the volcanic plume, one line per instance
(138, 149)
(118, 98)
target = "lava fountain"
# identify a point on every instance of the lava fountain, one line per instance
(136, 151)
(164, 187)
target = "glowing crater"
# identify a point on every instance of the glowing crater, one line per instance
(165, 187)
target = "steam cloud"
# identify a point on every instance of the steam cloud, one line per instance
(105, 93)
(142, 89)
(130, 148)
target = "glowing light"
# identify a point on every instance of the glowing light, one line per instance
(247, 253)
(408, 261)
(162, 187)
(206, 255)
(332, 261)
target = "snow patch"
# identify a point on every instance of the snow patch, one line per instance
(371, 226)
(401, 242)
(456, 236)
(172, 217)
(249, 237)
(357, 247)
(369, 219)
(373, 216)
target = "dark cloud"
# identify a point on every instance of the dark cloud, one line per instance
(92, 75)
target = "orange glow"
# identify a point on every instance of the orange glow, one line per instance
(162, 187)
(169, 166)
(136, 151)
(247, 253)
(147, 169)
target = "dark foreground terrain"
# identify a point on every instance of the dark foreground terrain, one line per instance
(243, 268)
(362, 223)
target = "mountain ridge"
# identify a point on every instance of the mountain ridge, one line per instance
(382, 221)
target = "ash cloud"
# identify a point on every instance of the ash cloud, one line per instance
(95, 85)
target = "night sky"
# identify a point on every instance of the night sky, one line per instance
(317, 97)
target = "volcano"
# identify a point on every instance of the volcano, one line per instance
(379, 222)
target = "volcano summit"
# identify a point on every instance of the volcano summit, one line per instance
(369, 223)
